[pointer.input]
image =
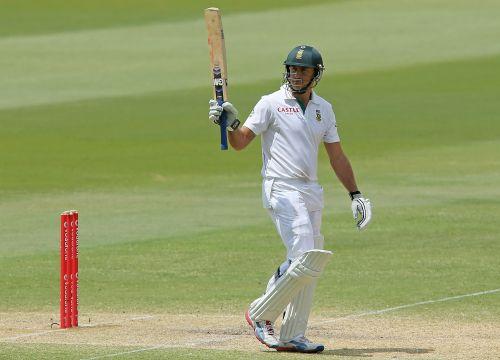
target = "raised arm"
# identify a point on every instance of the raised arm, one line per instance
(241, 137)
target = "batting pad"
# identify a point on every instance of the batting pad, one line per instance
(302, 271)
(297, 312)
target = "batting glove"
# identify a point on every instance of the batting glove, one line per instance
(361, 210)
(216, 110)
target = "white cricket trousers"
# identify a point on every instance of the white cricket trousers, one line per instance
(295, 207)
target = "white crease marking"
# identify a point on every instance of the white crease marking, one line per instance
(13, 338)
(376, 312)
(17, 337)
(165, 346)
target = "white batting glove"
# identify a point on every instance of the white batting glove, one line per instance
(216, 110)
(361, 210)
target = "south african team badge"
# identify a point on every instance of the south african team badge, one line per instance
(318, 115)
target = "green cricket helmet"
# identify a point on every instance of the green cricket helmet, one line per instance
(305, 56)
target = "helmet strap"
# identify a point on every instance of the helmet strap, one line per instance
(302, 90)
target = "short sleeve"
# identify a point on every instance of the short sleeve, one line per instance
(331, 134)
(259, 119)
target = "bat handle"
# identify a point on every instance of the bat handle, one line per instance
(223, 132)
(223, 128)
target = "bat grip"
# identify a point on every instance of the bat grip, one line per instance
(223, 128)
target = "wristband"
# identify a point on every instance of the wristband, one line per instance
(236, 123)
(354, 193)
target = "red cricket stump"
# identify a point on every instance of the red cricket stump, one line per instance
(64, 295)
(69, 270)
(74, 268)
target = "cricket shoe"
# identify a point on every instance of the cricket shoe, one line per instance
(300, 344)
(264, 331)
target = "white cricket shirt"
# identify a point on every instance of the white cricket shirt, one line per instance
(290, 137)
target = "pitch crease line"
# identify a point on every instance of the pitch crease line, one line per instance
(373, 312)
(13, 338)
(376, 312)
(165, 346)
(17, 337)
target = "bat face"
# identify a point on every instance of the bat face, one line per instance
(218, 68)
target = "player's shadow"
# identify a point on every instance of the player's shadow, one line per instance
(368, 352)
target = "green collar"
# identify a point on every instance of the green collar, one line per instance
(302, 106)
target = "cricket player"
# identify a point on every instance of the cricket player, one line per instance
(293, 122)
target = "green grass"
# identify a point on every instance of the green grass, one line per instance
(354, 37)
(171, 224)
(394, 264)
(108, 134)
(35, 17)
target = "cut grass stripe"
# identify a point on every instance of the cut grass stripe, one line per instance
(138, 59)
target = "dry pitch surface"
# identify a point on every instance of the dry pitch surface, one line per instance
(374, 336)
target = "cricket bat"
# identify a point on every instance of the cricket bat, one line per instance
(218, 66)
